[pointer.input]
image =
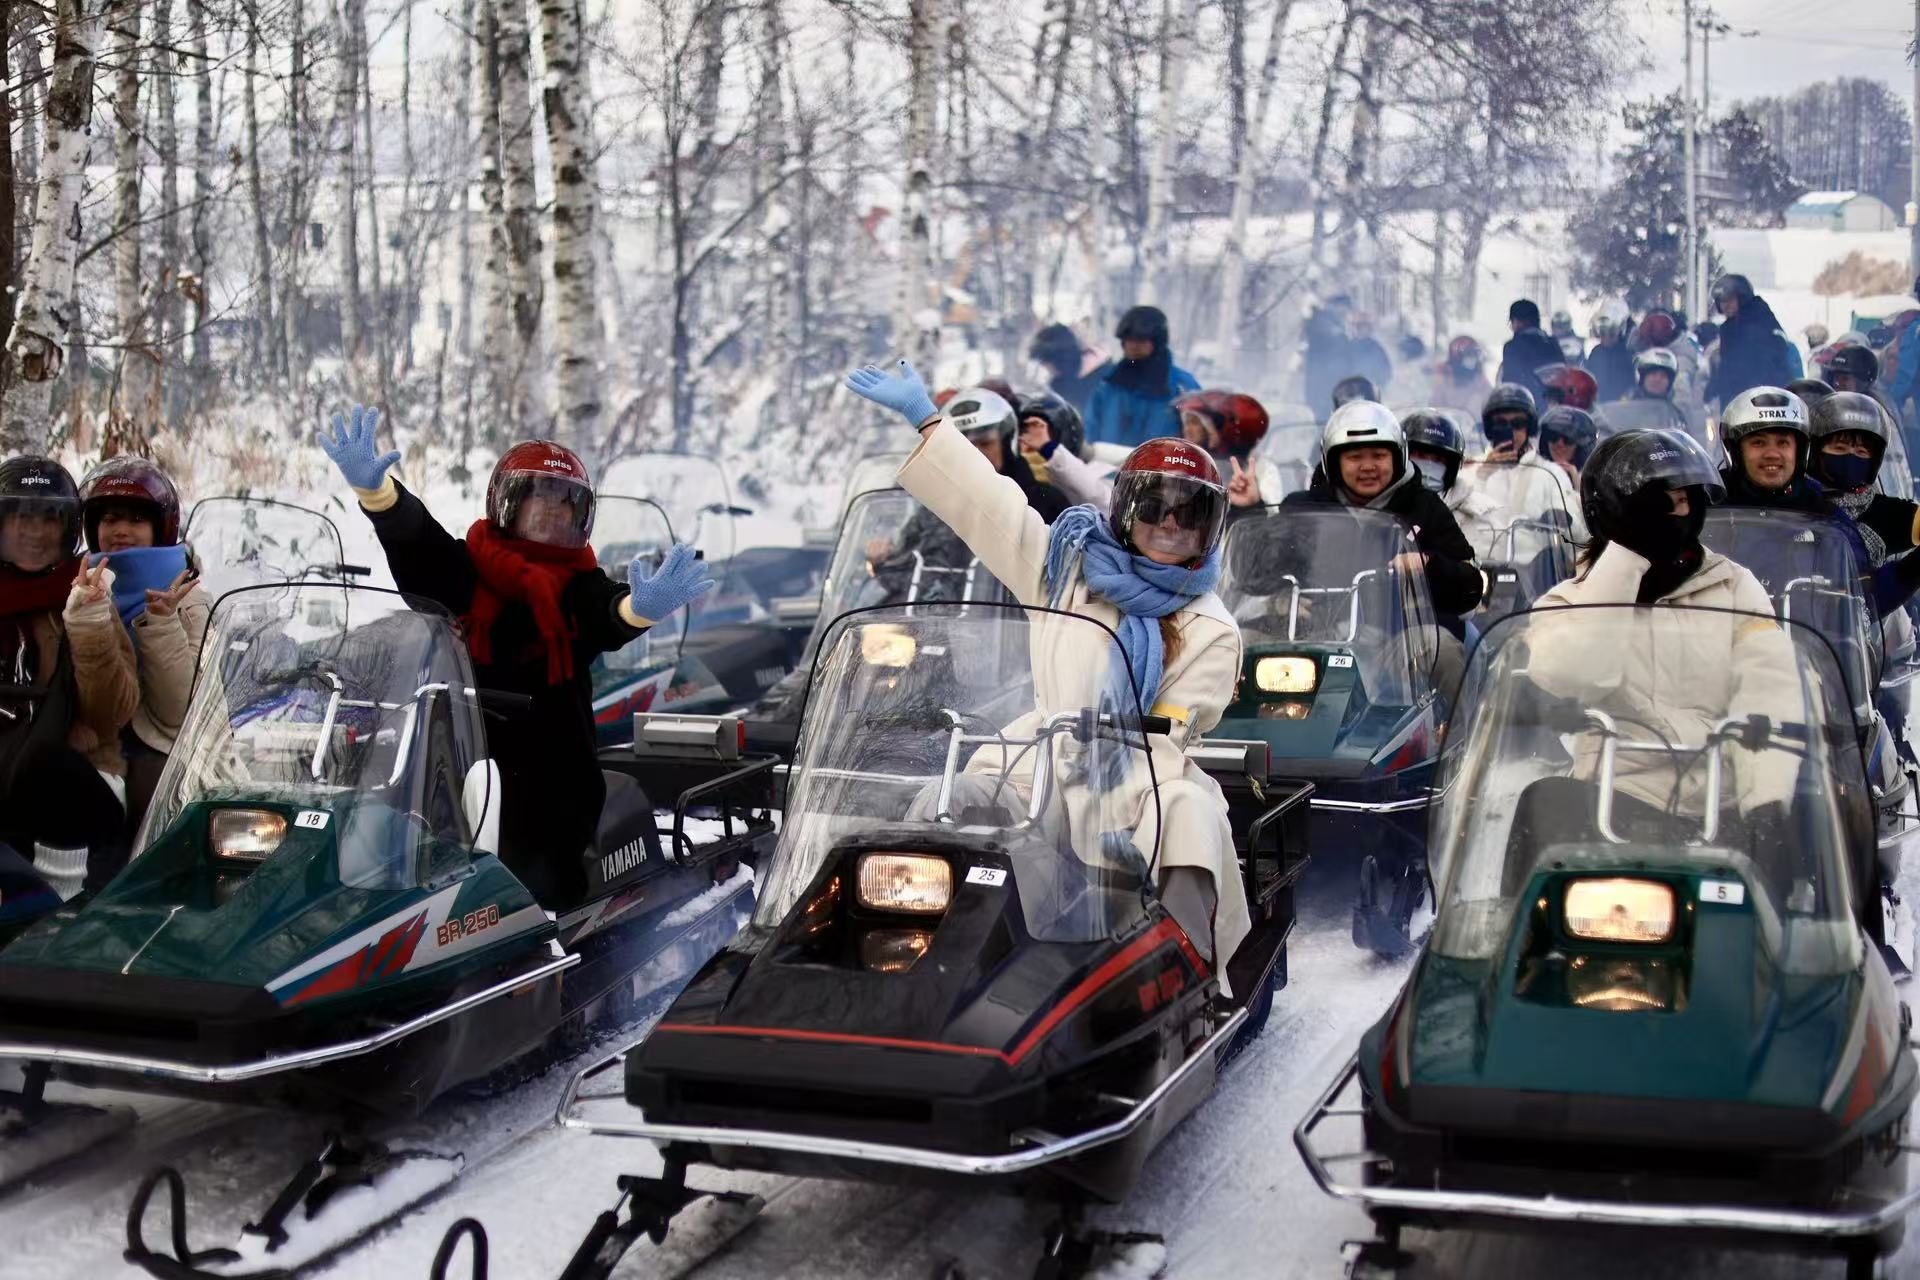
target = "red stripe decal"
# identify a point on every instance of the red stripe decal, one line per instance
(832, 1037)
(1136, 951)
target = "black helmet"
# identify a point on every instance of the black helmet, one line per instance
(42, 486)
(1508, 397)
(1432, 430)
(1852, 411)
(1354, 387)
(1062, 419)
(1855, 361)
(1733, 286)
(1565, 422)
(1810, 390)
(1148, 323)
(1615, 481)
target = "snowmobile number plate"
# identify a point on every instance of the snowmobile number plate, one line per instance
(314, 819)
(1340, 660)
(991, 876)
(1729, 893)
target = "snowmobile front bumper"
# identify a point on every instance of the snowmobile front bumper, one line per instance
(186, 1071)
(1408, 804)
(1732, 1219)
(607, 1115)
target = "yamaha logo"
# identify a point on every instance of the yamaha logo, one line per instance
(622, 860)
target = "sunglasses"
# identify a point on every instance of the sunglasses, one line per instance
(1188, 515)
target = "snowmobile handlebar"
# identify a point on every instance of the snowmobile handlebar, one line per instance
(28, 692)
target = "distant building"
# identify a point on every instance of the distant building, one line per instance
(1841, 211)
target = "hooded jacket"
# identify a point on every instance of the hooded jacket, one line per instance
(1753, 353)
(1074, 373)
(1526, 351)
(1451, 576)
(1189, 824)
(1126, 413)
(1679, 693)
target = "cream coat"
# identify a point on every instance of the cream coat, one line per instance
(1704, 667)
(169, 649)
(992, 517)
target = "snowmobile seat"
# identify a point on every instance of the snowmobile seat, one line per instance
(627, 836)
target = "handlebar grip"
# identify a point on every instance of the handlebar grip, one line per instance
(502, 701)
(1156, 724)
(354, 570)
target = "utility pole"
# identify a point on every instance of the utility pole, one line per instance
(1691, 295)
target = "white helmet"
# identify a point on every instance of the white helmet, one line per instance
(1655, 358)
(1610, 316)
(1765, 409)
(979, 412)
(1363, 422)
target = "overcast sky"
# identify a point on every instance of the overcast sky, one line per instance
(1795, 43)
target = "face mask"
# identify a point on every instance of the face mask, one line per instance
(1846, 471)
(1470, 361)
(1432, 474)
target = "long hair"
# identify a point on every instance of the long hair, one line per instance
(1170, 639)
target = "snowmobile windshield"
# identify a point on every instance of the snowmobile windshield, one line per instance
(893, 551)
(1289, 452)
(1624, 771)
(993, 737)
(697, 501)
(1808, 566)
(1331, 580)
(243, 542)
(347, 708)
(623, 529)
(1517, 516)
(870, 475)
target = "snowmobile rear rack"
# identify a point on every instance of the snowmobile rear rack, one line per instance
(1040, 1148)
(277, 1063)
(1810, 1223)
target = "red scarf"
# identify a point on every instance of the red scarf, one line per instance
(530, 573)
(22, 595)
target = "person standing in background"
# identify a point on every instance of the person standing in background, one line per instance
(1133, 402)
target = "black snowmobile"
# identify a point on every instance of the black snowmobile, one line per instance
(958, 970)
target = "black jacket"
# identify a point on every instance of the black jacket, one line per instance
(1044, 498)
(550, 775)
(1890, 584)
(1455, 583)
(1611, 365)
(1526, 351)
(1753, 353)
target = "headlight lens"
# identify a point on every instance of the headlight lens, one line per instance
(885, 645)
(1286, 710)
(913, 882)
(893, 950)
(1620, 910)
(1285, 675)
(245, 835)
(1620, 985)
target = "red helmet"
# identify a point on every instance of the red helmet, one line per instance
(1169, 479)
(1657, 330)
(1576, 386)
(1460, 347)
(130, 481)
(1239, 418)
(542, 468)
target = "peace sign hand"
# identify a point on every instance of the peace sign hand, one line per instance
(164, 604)
(91, 587)
(1242, 490)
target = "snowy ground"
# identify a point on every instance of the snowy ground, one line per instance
(1227, 1190)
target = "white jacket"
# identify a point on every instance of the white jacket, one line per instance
(992, 517)
(1682, 679)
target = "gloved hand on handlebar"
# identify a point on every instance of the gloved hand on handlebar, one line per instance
(903, 392)
(349, 446)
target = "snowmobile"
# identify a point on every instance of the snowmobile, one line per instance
(1524, 548)
(243, 541)
(724, 651)
(319, 917)
(957, 971)
(1652, 997)
(1813, 576)
(891, 550)
(1339, 650)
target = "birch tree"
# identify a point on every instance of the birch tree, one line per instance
(346, 117)
(917, 310)
(129, 305)
(578, 359)
(500, 355)
(263, 333)
(1176, 50)
(1233, 261)
(200, 221)
(522, 204)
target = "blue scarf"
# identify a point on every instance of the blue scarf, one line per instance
(137, 571)
(1141, 590)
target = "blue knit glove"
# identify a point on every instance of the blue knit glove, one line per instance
(902, 392)
(350, 448)
(678, 581)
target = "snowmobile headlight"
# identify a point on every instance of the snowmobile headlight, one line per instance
(1619, 910)
(1620, 985)
(245, 835)
(893, 950)
(1285, 675)
(1286, 710)
(885, 645)
(917, 882)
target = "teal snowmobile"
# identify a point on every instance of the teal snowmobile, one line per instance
(1652, 998)
(1340, 643)
(319, 916)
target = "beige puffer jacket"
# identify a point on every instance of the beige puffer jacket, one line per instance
(169, 650)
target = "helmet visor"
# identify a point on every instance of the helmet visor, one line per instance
(554, 510)
(37, 532)
(1169, 518)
